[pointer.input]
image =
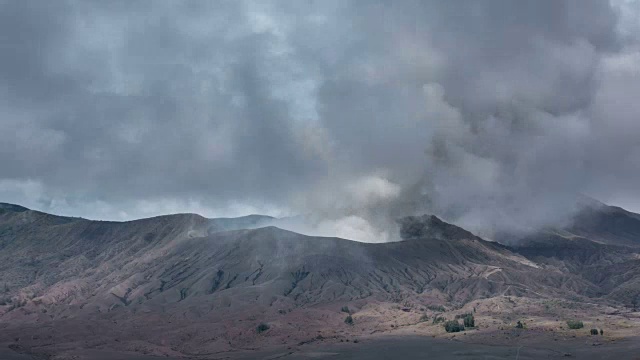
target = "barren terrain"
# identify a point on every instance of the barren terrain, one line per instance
(184, 286)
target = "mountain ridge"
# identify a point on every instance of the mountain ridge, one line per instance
(181, 274)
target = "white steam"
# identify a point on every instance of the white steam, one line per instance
(354, 210)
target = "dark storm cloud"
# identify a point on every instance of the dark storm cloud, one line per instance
(142, 102)
(487, 112)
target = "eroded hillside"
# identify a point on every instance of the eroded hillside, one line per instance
(202, 283)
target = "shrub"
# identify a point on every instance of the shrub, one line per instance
(438, 319)
(453, 326)
(345, 309)
(520, 325)
(575, 324)
(424, 318)
(469, 321)
(594, 331)
(439, 308)
(601, 332)
(262, 328)
(348, 320)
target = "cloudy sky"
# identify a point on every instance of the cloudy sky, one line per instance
(482, 111)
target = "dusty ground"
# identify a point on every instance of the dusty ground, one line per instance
(417, 347)
(406, 347)
(386, 330)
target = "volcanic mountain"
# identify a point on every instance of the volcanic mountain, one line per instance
(185, 285)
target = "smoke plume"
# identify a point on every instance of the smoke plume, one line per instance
(493, 114)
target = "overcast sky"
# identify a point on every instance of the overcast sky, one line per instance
(486, 110)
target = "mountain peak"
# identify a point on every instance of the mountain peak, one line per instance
(12, 207)
(412, 227)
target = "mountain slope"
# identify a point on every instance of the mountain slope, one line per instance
(180, 275)
(56, 262)
(600, 245)
(607, 224)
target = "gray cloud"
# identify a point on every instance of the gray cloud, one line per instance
(490, 113)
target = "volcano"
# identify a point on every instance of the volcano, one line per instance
(187, 286)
